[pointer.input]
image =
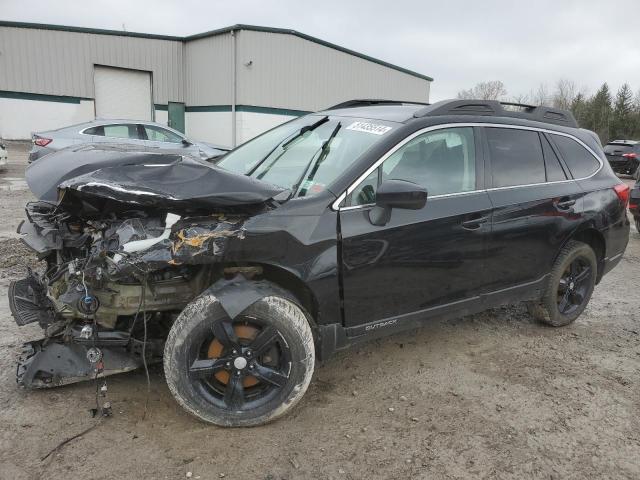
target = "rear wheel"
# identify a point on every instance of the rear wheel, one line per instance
(570, 286)
(241, 372)
(638, 224)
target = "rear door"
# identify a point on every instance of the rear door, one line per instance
(421, 262)
(536, 205)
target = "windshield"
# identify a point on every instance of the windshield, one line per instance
(306, 154)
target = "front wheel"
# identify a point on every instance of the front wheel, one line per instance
(241, 372)
(571, 284)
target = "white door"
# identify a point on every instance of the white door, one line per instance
(122, 93)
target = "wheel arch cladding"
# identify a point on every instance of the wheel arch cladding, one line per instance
(596, 241)
(239, 293)
(294, 285)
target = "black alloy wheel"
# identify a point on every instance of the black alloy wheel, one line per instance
(570, 286)
(574, 286)
(244, 371)
(242, 365)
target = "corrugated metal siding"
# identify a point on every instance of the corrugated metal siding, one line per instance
(208, 71)
(290, 72)
(61, 63)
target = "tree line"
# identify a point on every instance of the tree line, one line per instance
(612, 117)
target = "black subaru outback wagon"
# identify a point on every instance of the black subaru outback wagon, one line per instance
(337, 227)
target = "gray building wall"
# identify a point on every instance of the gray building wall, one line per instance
(287, 71)
(46, 77)
(208, 70)
(61, 62)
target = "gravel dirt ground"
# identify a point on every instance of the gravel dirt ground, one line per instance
(494, 395)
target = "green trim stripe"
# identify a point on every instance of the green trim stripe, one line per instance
(208, 108)
(212, 33)
(41, 97)
(158, 106)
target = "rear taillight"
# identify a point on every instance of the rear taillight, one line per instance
(630, 155)
(622, 190)
(41, 141)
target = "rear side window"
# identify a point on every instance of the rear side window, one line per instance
(95, 131)
(555, 172)
(121, 131)
(516, 157)
(579, 160)
(114, 131)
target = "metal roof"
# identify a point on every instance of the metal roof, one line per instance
(211, 33)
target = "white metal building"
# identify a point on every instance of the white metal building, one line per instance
(223, 86)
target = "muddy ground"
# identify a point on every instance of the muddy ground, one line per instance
(490, 396)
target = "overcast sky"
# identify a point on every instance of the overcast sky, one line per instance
(457, 42)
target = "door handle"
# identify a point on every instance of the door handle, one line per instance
(565, 203)
(474, 223)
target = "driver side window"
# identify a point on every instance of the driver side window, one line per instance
(442, 161)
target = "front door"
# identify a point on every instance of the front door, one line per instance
(424, 261)
(176, 116)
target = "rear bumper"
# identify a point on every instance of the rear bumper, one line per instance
(39, 152)
(616, 240)
(610, 263)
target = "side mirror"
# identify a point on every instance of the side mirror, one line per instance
(186, 142)
(396, 194)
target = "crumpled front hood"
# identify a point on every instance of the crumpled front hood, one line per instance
(183, 185)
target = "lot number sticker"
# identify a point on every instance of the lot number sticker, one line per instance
(369, 128)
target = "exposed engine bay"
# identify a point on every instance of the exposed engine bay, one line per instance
(120, 264)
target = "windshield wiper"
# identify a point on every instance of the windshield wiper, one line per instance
(302, 131)
(324, 151)
(305, 129)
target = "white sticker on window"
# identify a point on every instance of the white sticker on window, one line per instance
(369, 128)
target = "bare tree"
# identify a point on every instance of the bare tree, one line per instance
(491, 90)
(521, 98)
(540, 96)
(564, 94)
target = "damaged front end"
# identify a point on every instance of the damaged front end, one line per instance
(124, 250)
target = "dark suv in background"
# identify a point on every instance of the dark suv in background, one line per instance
(340, 226)
(624, 156)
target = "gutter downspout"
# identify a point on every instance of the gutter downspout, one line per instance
(233, 88)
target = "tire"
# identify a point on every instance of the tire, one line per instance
(567, 293)
(240, 401)
(638, 224)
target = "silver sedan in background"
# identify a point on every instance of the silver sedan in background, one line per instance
(149, 135)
